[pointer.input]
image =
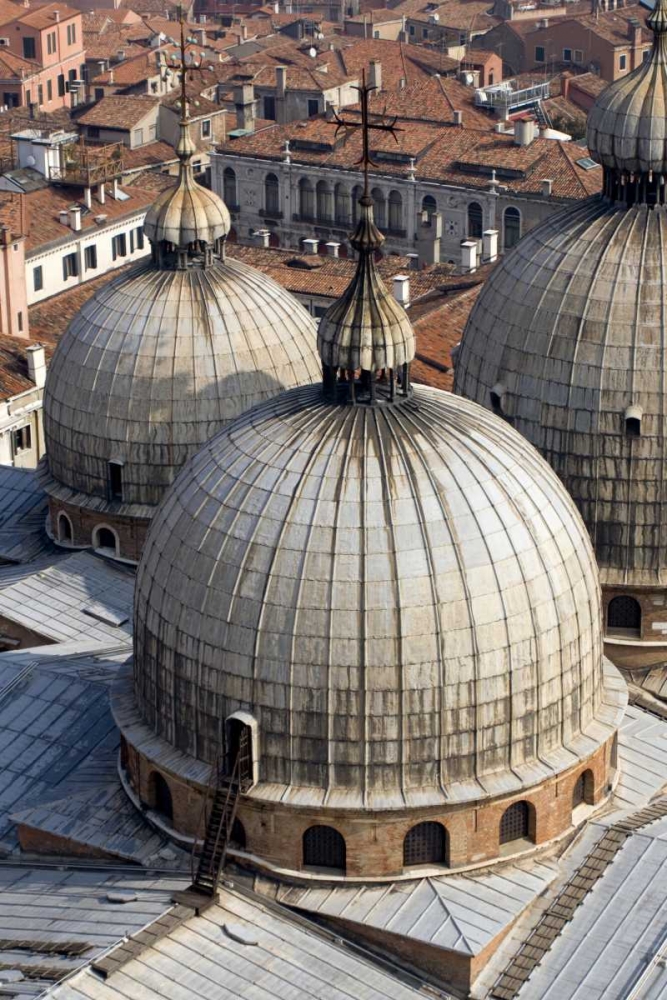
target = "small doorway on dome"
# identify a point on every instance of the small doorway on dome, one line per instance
(239, 750)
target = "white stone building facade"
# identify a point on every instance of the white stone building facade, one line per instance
(297, 201)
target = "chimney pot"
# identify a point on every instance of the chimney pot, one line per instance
(414, 261)
(75, 218)
(375, 74)
(36, 365)
(490, 245)
(310, 246)
(401, 284)
(547, 187)
(458, 118)
(469, 255)
(524, 132)
(263, 238)
(332, 248)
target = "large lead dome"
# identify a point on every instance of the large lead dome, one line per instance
(568, 336)
(390, 581)
(162, 357)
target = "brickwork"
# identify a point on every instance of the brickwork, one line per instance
(130, 532)
(374, 840)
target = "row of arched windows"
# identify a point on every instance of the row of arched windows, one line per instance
(428, 843)
(338, 204)
(104, 539)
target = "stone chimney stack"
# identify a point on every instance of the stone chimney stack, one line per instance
(468, 256)
(490, 246)
(75, 218)
(375, 74)
(524, 132)
(244, 101)
(36, 365)
(401, 283)
(429, 236)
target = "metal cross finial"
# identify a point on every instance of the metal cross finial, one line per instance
(182, 67)
(382, 124)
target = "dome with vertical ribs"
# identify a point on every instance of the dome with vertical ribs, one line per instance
(627, 125)
(403, 596)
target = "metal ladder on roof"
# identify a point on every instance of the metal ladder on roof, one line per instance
(221, 822)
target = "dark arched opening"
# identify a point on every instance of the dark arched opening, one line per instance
(323, 847)
(475, 220)
(271, 194)
(160, 795)
(237, 836)
(229, 188)
(239, 748)
(426, 844)
(64, 528)
(512, 227)
(105, 539)
(624, 617)
(582, 792)
(516, 824)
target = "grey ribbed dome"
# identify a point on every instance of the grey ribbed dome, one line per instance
(157, 361)
(403, 595)
(568, 334)
(186, 214)
(366, 328)
(627, 125)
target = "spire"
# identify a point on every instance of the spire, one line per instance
(365, 339)
(188, 224)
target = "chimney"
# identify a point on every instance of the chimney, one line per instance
(499, 127)
(469, 255)
(244, 101)
(88, 197)
(490, 246)
(75, 217)
(201, 32)
(375, 74)
(547, 187)
(262, 238)
(310, 246)
(332, 248)
(414, 261)
(401, 284)
(281, 82)
(5, 236)
(458, 117)
(56, 14)
(36, 365)
(401, 83)
(115, 189)
(101, 194)
(524, 132)
(63, 215)
(429, 237)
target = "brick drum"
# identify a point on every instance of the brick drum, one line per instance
(130, 531)
(374, 840)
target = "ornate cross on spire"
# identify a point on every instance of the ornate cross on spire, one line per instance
(368, 123)
(182, 66)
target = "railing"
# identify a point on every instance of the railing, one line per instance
(504, 99)
(88, 165)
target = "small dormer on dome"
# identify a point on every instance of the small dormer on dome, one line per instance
(365, 338)
(627, 128)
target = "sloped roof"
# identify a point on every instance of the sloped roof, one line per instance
(119, 112)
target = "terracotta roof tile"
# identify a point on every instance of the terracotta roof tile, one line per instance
(456, 155)
(438, 331)
(49, 319)
(119, 112)
(45, 16)
(10, 11)
(42, 210)
(135, 70)
(14, 365)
